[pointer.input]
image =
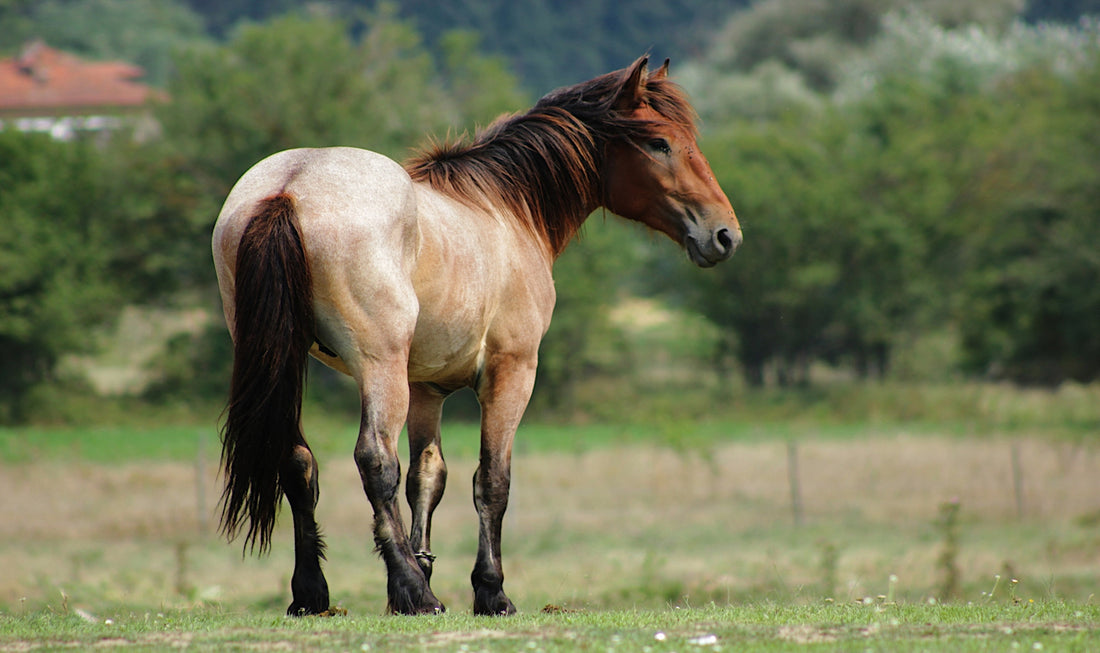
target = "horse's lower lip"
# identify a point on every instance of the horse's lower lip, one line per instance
(695, 253)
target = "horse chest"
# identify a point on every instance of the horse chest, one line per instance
(455, 334)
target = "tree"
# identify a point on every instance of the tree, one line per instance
(1004, 162)
(783, 48)
(1030, 304)
(897, 204)
(550, 43)
(222, 16)
(582, 342)
(55, 257)
(778, 294)
(1066, 11)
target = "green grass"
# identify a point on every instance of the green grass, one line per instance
(1049, 625)
(105, 444)
(679, 420)
(718, 546)
(335, 437)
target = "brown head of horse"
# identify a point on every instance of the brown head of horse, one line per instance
(420, 280)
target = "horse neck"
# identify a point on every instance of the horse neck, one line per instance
(542, 168)
(555, 213)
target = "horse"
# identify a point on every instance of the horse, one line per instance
(418, 280)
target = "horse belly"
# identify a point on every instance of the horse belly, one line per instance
(446, 348)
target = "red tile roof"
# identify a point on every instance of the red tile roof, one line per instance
(45, 81)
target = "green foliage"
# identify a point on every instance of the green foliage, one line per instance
(816, 39)
(1030, 306)
(904, 176)
(481, 87)
(305, 82)
(948, 180)
(16, 17)
(550, 44)
(1068, 11)
(582, 342)
(55, 258)
(143, 32)
(294, 82)
(825, 274)
(222, 16)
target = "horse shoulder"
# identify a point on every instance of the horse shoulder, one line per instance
(482, 285)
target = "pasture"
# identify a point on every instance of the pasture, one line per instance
(614, 534)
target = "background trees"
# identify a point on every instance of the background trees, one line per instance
(909, 191)
(55, 258)
(903, 172)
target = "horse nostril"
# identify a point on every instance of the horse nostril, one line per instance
(724, 239)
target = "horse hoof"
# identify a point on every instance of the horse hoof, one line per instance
(496, 606)
(297, 609)
(427, 605)
(434, 608)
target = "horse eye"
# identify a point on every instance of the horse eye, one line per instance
(660, 145)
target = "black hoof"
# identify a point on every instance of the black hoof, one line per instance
(493, 604)
(307, 608)
(413, 600)
(310, 596)
(432, 606)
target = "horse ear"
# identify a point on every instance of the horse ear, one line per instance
(662, 72)
(633, 89)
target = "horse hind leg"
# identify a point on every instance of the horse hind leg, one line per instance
(300, 485)
(427, 477)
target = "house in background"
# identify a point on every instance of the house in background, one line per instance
(46, 90)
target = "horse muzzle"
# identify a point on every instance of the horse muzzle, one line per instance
(712, 248)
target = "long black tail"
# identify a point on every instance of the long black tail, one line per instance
(273, 331)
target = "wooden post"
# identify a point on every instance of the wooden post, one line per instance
(200, 485)
(794, 481)
(1017, 479)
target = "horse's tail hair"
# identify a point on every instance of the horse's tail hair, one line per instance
(273, 331)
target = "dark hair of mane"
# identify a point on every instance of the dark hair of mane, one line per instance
(544, 165)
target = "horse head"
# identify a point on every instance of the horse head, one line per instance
(656, 175)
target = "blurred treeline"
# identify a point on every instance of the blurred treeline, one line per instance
(918, 181)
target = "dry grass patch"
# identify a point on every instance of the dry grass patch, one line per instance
(634, 525)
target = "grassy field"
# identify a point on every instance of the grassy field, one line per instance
(666, 534)
(758, 627)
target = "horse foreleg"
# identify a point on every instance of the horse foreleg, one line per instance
(385, 408)
(504, 392)
(427, 476)
(300, 485)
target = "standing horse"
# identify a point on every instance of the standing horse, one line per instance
(420, 280)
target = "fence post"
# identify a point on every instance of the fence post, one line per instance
(794, 481)
(1017, 479)
(200, 484)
